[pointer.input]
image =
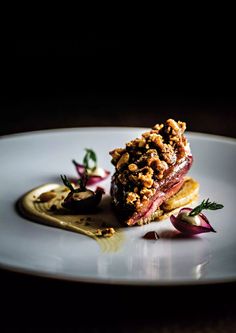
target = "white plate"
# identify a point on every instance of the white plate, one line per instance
(31, 159)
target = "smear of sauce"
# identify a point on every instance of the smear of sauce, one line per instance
(151, 235)
(53, 214)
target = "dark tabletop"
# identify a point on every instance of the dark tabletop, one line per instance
(42, 97)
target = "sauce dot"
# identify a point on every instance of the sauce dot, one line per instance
(152, 235)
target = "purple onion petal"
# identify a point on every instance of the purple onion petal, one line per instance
(91, 179)
(79, 168)
(99, 190)
(95, 179)
(188, 228)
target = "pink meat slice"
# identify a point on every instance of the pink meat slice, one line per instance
(170, 184)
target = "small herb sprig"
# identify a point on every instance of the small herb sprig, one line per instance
(205, 204)
(67, 183)
(81, 182)
(90, 156)
(83, 169)
(87, 169)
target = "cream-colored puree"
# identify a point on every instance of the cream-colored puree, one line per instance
(52, 213)
(43, 205)
(194, 220)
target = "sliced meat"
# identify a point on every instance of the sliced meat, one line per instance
(149, 170)
(168, 186)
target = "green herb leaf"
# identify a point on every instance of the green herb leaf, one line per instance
(67, 183)
(83, 180)
(205, 204)
(89, 157)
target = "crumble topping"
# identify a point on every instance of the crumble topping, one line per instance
(107, 232)
(143, 162)
(47, 196)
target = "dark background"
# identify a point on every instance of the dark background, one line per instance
(123, 78)
(120, 78)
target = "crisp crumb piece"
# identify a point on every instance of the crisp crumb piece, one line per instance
(107, 232)
(46, 196)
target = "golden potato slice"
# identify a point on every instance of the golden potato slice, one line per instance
(187, 193)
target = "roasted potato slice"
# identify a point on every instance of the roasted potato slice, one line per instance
(186, 195)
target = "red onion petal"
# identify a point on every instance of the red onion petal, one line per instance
(80, 168)
(99, 190)
(95, 179)
(190, 229)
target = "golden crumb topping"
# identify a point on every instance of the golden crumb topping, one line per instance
(107, 232)
(143, 161)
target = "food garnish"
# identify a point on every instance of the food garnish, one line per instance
(151, 235)
(46, 196)
(107, 232)
(205, 204)
(90, 167)
(191, 221)
(81, 199)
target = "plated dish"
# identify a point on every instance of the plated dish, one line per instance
(149, 184)
(42, 156)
